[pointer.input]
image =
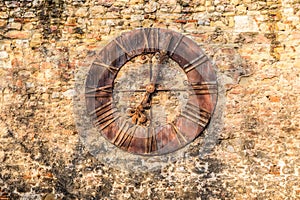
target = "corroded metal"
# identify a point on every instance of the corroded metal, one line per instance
(151, 91)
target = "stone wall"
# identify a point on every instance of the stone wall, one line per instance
(254, 46)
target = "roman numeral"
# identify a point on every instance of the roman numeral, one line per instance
(168, 38)
(195, 114)
(112, 69)
(197, 62)
(123, 46)
(125, 133)
(176, 45)
(151, 141)
(146, 35)
(105, 115)
(204, 88)
(180, 138)
(103, 91)
(157, 37)
(151, 37)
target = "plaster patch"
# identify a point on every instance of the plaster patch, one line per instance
(245, 24)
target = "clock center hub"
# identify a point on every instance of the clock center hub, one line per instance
(150, 88)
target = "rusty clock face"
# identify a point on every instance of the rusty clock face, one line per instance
(151, 91)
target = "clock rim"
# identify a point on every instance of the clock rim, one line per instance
(151, 51)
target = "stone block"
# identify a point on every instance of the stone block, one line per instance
(36, 40)
(3, 55)
(18, 34)
(12, 4)
(241, 9)
(28, 26)
(14, 26)
(97, 11)
(235, 2)
(297, 64)
(3, 23)
(190, 27)
(151, 7)
(137, 17)
(29, 15)
(200, 9)
(82, 12)
(295, 35)
(111, 15)
(3, 15)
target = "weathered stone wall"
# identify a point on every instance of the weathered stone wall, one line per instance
(255, 47)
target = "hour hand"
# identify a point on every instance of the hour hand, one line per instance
(137, 115)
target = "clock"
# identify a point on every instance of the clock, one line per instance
(150, 91)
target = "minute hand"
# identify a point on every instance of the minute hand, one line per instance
(161, 58)
(151, 87)
(137, 114)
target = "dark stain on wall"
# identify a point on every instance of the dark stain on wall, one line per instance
(51, 18)
(64, 177)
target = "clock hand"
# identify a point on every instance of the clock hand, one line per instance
(150, 88)
(137, 115)
(161, 57)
